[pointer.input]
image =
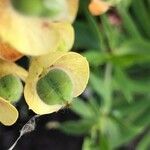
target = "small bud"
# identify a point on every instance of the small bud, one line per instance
(98, 7)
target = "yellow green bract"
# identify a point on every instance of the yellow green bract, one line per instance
(33, 35)
(8, 113)
(75, 65)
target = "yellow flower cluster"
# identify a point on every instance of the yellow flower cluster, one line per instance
(47, 42)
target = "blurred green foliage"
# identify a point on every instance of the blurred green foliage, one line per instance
(115, 108)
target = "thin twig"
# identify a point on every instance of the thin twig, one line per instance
(27, 128)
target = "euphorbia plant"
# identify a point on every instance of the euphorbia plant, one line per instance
(118, 107)
(55, 75)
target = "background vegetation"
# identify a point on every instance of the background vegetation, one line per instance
(115, 108)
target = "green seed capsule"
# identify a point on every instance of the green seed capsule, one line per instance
(55, 88)
(29, 7)
(10, 88)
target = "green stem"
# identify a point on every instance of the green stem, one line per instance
(108, 91)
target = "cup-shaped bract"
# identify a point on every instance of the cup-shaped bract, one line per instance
(36, 36)
(72, 68)
(8, 113)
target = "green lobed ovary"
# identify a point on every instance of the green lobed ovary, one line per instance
(55, 87)
(11, 88)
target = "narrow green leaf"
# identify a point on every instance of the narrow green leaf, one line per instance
(87, 144)
(127, 133)
(95, 58)
(123, 84)
(77, 127)
(143, 119)
(131, 52)
(82, 108)
(138, 47)
(144, 144)
(128, 23)
(141, 16)
(136, 110)
(97, 84)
